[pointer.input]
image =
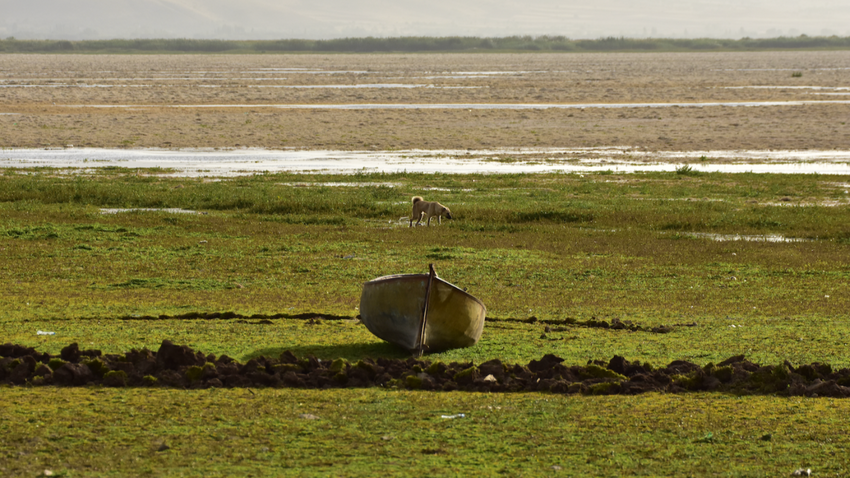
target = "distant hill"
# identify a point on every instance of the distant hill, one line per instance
(424, 44)
(275, 19)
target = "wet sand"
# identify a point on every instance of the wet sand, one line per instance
(58, 100)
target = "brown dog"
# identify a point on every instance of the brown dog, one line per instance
(429, 209)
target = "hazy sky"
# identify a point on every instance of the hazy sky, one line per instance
(322, 19)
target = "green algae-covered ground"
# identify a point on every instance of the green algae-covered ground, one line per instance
(350, 432)
(553, 247)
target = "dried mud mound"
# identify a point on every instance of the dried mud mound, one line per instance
(180, 366)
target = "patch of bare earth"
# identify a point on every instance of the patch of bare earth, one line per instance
(56, 100)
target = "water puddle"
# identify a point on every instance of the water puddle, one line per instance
(264, 70)
(742, 237)
(786, 87)
(170, 210)
(490, 73)
(376, 85)
(223, 163)
(75, 85)
(828, 203)
(341, 185)
(782, 69)
(308, 71)
(198, 78)
(482, 106)
(756, 155)
(452, 77)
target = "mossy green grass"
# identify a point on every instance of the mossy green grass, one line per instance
(554, 247)
(354, 432)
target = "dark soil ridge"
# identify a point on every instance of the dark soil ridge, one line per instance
(231, 316)
(180, 366)
(593, 322)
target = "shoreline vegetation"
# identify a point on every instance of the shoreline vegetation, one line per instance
(563, 255)
(544, 43)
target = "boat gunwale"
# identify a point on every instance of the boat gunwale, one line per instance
(398, 277)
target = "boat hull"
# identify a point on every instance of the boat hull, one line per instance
(391, 308)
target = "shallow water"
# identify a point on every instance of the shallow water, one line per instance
(452, 77)
(341, 185)
(483, 106)
(122, 78)
(309, 71)
(360, 86)
(197, 162)
(375, 85)
(760, 87)
(743, 237)
(76, 85)
(782, 69)
(756, 155)
(171, 210)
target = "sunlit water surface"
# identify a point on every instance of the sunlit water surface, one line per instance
(235, 162)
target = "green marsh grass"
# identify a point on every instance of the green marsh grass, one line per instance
(351, 432)
(553, 247)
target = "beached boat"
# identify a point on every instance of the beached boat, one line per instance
(421, 312)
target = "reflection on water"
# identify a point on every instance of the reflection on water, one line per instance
(200, 162)
(743, 237)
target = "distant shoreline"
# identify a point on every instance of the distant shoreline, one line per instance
(546, 44)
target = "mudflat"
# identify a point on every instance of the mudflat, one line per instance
(798, 100)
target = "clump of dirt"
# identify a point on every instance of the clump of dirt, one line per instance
(180, 366)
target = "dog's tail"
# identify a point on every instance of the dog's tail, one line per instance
(416, 199)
